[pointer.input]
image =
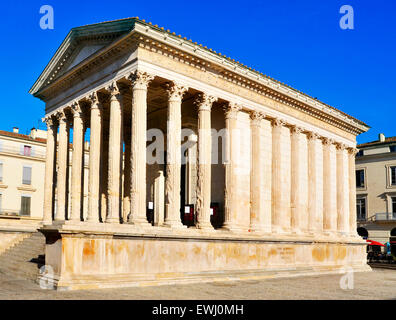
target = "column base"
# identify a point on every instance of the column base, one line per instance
(259, 230)
(173, 224)
(281, 230)
(233, 228)
(204, 226)
(140, 223)
(113, 220)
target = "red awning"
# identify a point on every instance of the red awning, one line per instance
(375, 243)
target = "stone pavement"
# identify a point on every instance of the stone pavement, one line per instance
(379, 284)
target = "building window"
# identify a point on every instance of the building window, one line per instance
(361, 208)
(360, 183)
(360, 153)
(27, 175)
(25, 206)
(27, 151)
(394, 207)
(1, 172)
(393, 176)
(392, 148)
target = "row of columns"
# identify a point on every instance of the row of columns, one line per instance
(300, 182)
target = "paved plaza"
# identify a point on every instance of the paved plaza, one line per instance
(379, 284)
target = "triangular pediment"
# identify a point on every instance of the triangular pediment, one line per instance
(79, 45)
(83, 53)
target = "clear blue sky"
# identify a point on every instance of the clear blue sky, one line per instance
(297, 42)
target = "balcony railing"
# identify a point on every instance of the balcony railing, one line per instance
(385, 216)
(12, 213)
(22, 152)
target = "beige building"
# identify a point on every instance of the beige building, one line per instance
(22, 168)
(376, 188)
(274, 196)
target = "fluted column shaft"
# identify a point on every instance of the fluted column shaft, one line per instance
(94, 160)
(281, 219)
(231, 203)
(49, 170)
(115, 152)
(140, 81)
(342, 191)
(298, 182)
(329, 188)
(127, 176)
(352, 192)
(257, 192)
(77, 163)
(62, 167)
(173, 165)
(315, 185)
(204, 161)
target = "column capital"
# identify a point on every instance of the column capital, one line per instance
(327, 141)
(50, 121)
(61, 116)
(175, 91)
(76, 110)
(114, 90)
(140, 79)
(340, 146)
(94, 100)
(277, 122)
(296, 130)
(353, 151)
(312, 135)
(256, 117)
(231, 110)
(205, 101)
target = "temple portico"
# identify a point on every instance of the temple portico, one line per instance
(264, 181)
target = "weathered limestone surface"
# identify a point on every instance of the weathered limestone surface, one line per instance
(286, 187)
(109, 260)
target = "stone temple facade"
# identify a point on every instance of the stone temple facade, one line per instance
(268, 170)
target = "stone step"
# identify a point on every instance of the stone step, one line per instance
(17, 260)
(21, 268)
(23, 250)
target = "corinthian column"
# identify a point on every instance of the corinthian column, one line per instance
(352, 191)
(329, 188)
(115, 152)
(173, 165)
(342, 190)
(280, 178)
(257, 191)
(94, 159)
(77, 162)
(315, 185)
(127, 175)
(231, 203)
(204, 103)
(140, 81)
(299, 175)
(62, 166)
(49, 169)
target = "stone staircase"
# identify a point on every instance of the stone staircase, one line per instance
(24, 259)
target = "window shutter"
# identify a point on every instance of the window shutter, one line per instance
(25, 206)
(33, 151)
(27, 175)
(1, 172)
(22, 149)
